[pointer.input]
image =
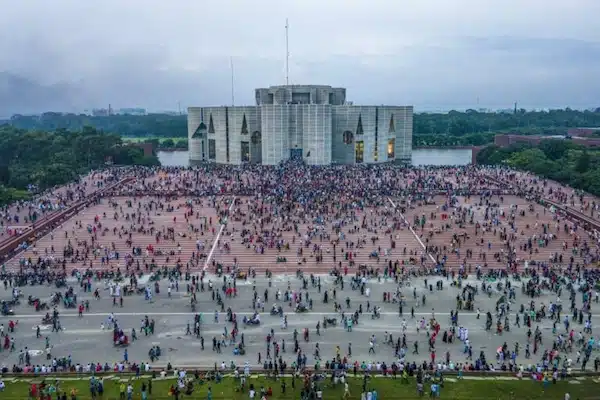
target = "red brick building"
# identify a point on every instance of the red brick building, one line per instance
(582, 132)
(507, 140)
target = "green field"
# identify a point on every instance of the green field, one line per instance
(387, 388)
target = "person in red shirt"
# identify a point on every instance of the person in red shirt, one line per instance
(33, 391)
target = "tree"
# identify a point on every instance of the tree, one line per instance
(4, 174)
(151, 125)
(555, 148)
(583, 163)
(167, 144)
(46, 159)
(523, 122)
(182, 144)
(579, 168)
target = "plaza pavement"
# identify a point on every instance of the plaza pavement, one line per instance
(86, 342)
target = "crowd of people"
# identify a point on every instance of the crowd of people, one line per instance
(429, 226)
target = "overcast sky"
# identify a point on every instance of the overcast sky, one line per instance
(435, 54)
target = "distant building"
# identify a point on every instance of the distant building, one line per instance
(168, 112)
(583, 132)
(100, 112)
(507, 140)
(132, 111)
(314, 123)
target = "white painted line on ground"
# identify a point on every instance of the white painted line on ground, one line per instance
(86, 331)
(166, 314)
(42, 327)
(412, 231)
(214, 246)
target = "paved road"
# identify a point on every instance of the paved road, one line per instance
(85, 341)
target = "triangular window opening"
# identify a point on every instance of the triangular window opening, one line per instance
(244, 126)
(211, 125)
(199, 133)
(392, 126)
(359, 128)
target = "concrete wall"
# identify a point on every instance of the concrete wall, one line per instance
(240, 132)
(218, 116)
(376, 133)
(387, 119)
(404, 134)
(195, 145)
(317, 128)
(316, 138)
(274, 120)
(303, 94)
(345, 118)
(227, 124)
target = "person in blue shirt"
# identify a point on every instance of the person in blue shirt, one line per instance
(434, 390)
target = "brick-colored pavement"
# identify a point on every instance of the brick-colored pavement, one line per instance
(327, 219)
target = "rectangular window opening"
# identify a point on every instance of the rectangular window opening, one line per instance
(359, 151)
(245, 152)
(391, 149)
(212, 149)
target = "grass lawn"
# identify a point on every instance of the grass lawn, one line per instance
(387, 389)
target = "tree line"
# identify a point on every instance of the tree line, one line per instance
(134, 126)
(474, 128)
(37, 160)
(454, 128)
(561, 160)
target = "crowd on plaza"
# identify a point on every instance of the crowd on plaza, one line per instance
(14, 217)
(304, 212)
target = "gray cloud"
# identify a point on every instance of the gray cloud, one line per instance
(434, 54)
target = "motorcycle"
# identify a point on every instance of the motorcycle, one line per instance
(276, 311)
(301, 308)
(6, 310)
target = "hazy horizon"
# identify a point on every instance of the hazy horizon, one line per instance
(433, 54)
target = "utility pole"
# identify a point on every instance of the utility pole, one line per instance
(287, 53)
(232, 83)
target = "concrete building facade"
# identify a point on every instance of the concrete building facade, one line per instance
(314, 123)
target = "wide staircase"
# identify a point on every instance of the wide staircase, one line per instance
(183, 246)
(374, 254)
(489, 243)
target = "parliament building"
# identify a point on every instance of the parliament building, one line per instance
(314, 123)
